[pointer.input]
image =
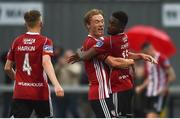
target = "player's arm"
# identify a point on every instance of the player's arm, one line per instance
(87, 55)
(171, 76)
(82, 55)
(111, 61)
(141, 87)
(9, 69)
(48, 67)
(137, 56)
(99, 48)
(117, 62)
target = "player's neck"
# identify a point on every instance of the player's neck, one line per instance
(94, 36)
(34, 30)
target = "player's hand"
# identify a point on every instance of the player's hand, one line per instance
(73, 59)
(149, 58)
(59, 91)
(138, 89)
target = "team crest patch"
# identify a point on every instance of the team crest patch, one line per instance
(48, 48)
(99, 43)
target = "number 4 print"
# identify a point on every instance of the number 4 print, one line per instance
(26, 66)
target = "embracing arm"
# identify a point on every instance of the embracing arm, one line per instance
(82, 55)
(117, 62)
(86, 55)
(137, 56)
(9, 69)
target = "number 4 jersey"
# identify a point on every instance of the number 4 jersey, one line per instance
(26, 52)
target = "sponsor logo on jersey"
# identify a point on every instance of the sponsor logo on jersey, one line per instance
(99, 43)
(123, 77)
(29, 41)
(30, 84)
(48, 48)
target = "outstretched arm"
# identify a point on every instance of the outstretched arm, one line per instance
(143, 56)
(48, 67)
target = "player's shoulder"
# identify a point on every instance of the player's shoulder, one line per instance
(162, 57)
(89, 40)
(44, 37)
(21, 36)
(18, 39)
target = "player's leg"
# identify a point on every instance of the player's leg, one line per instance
(123, 103)
(157, 105)
(103, 108)
(21, 108)
(151, 107)
(43, 109)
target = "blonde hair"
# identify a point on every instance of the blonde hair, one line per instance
(90, 14)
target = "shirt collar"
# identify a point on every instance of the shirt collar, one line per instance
(100, 38)
(32, 33)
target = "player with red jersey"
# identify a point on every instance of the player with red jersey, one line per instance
(97, 71)
(117, 46)
(31, 54)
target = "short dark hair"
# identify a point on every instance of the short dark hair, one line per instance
(32, 17)
(145, 45)
(122, 17)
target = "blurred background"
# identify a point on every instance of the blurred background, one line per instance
(63, 23)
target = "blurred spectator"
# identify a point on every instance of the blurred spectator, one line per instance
(58, 51)
(157, 80)
(6, 95)
(68, 75)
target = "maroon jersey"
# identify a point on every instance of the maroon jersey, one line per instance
(97, 73)
(27, 51)
(117, 46)
(156, 74)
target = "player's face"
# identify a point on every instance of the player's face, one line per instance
(96, 26)
(113, 26)
(149, 51)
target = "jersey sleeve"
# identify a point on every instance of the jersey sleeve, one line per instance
(102, 57)
(10, 55)
(102, 46)
(48, 47)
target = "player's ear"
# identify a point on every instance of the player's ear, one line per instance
(88, 26)
(41, 24)
(25, 24)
